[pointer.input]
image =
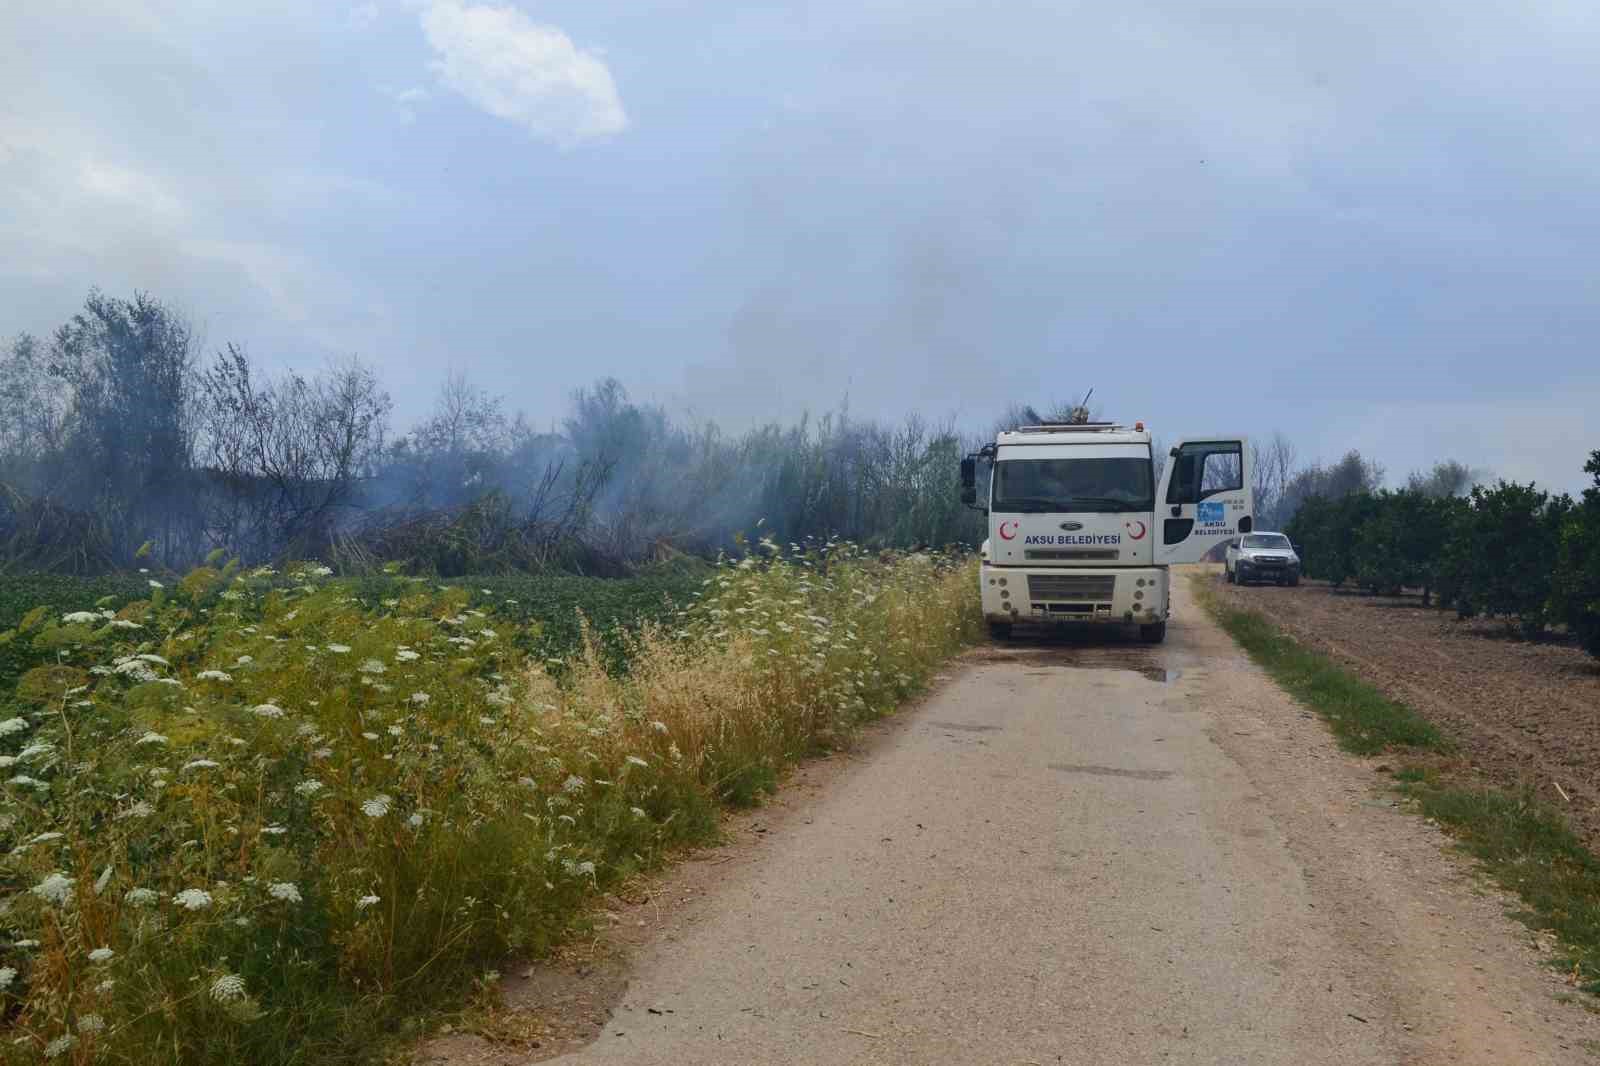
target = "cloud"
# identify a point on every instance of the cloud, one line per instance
(520, 71)
(363, 15)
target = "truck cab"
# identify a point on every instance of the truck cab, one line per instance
(1081, 529)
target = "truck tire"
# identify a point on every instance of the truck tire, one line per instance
(1231, 575)
(1153, 634)
(1294, 580)
(999, 630)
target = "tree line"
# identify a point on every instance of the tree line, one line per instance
(119, 435)
(1507, 550)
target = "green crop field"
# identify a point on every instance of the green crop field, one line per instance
(612, 606)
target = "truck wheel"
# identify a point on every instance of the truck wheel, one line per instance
(999, 630)
(1294, 580)
(1231, 575)
(1154, 634)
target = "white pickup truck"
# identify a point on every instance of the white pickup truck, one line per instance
(1262, 557)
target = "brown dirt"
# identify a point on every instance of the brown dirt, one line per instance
(1524, 714)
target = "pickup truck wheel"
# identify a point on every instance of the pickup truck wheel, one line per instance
(1294, 580)
(1233, 578)
(1153, 634)
(999, 630)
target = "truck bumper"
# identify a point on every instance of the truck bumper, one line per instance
(1058, 595)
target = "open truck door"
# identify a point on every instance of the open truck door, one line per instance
(1203, 499)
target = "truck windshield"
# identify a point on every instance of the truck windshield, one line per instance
(1266, 540)
(1023, 486)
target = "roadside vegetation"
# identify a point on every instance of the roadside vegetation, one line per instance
(253, 817)
(1364, 720)
(1507, 551)
(1523, 844)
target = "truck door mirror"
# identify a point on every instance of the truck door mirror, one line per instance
(969, 481)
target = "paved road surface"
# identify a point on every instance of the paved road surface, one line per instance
(1079, 853)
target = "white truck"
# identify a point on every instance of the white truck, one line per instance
(1080, 531)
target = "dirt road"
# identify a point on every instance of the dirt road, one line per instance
(1080, 853)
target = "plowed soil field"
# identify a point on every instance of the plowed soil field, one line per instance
(1524, 714)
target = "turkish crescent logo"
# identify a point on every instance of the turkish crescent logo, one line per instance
(1132, 535)
(1011, 535)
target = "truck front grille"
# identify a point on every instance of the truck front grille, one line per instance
(1102, 554)
(1077, 587)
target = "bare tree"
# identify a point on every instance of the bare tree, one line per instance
(1271, 469)
(291, 453)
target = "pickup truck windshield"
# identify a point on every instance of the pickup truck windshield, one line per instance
(1025, 486)
(1266, 540)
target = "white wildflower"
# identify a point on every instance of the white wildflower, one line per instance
(638, 812)
(366, 901)
(140, 897)
(57, 888)
(12, 725)
(309, 787)
(420, 698)
(140, 809)
(91, 1023)
(415, 821)
(7, 761)
(573, 783)
(151, 738)
(339, 649)
(25, 944)
(102, 881)
(60, 1046)
(659, 727)
(227, 988)
(8, 974)
(273, 830)
(193, 899)
(395, 731)
(406, 655)
(156, 584)
(80, 618)
(41, 748)
(369, 736)
(267, 710)
(214, 675)
(102, 955)
(321, 571)
(243, 660)
(322, 753)
(124, 623)
(377, 806)
(154, 659)
(373, 666)
(634, 760)
(29, 782)
(284, 890)
(200, 764)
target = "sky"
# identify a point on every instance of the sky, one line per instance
(1367, 225)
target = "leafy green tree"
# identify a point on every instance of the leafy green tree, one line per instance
(1576, 598)
(1506, 549)
(1398, 543)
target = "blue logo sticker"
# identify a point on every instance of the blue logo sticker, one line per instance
(1212, 514)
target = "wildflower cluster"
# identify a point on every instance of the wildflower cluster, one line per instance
(241, 812)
